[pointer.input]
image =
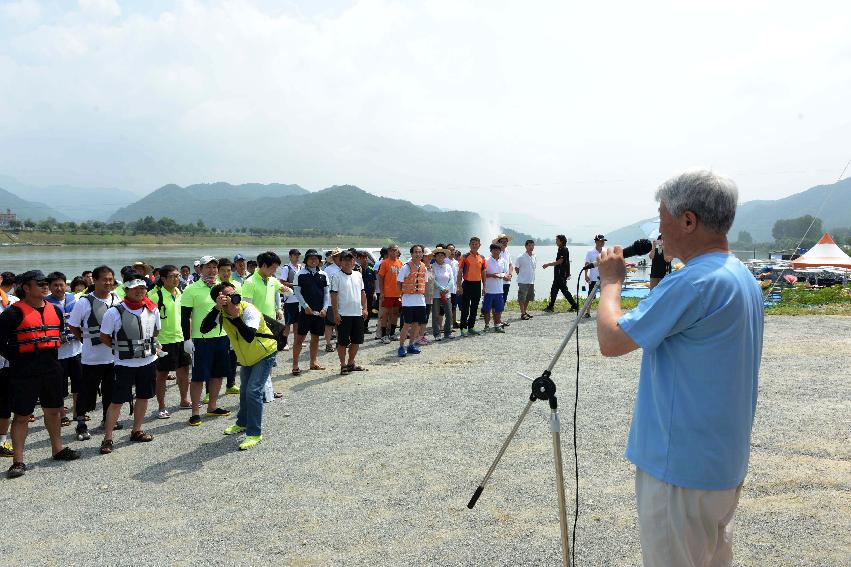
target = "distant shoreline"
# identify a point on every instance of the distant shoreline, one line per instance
(141, 240)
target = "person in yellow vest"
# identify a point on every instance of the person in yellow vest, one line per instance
(263, 290)
(412, 286)
(255, 347)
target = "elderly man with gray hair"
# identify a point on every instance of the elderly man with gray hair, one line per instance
(701, 332)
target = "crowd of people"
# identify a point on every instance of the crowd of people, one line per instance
(120, 339)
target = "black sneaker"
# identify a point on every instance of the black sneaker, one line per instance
(548, 309)
(195, 420)
(67, 454)
(16, 470)
(218, 412)
(83, 433)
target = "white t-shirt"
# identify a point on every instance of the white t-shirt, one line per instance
(495, 266)
(454, 263)
(444, 278)
(331, 270)
(506, 255)
(592, 256)
(284, 272)
(110, 325)
(527, 265)
(72, 347)
(12, 299)
(92, 354)
(348, 288)
(410, 300)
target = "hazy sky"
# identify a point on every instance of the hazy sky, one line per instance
(571, 112)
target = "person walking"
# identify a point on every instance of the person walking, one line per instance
(702, 338)
(255, 348)
(98, 370)
(167, 297)
(348, 301)
(30, 336)
(444, 290)
(561, 273)
(210, 351)
(130, 329)
(314, 297)
(525, 269)
(471, 274)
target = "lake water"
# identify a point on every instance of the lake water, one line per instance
(72, 260)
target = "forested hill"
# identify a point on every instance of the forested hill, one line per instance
(342, 209)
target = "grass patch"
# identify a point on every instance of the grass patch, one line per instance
(562, 306)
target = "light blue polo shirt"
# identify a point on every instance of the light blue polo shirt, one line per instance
(701, 330)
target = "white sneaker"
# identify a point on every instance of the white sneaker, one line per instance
(164, 414)
(286, 347)
(385, 340)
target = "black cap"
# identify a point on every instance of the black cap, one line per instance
(600, 237)
(31, 275)
(312, 252)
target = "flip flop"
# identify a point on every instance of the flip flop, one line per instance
(344, 370)
(296, 371)
(357, 368)
(316, 367)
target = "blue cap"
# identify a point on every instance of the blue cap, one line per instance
(238, 257)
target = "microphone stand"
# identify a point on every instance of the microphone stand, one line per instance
(544, 389)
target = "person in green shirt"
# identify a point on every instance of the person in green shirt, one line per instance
(261, 290)
(167, 296)
(210, 351)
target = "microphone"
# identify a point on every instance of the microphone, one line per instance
(640, 247)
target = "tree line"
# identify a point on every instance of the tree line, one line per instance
(787, 233)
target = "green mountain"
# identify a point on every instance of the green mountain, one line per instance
(342, 209)
(202, 201)
(830, 203)
(28, 209)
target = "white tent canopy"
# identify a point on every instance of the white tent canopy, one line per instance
(825, 253)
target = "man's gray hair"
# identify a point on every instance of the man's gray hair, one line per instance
(708, 195)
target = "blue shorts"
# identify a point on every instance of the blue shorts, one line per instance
(493, 302)
(211, 359)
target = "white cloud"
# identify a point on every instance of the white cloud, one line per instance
(546, 108)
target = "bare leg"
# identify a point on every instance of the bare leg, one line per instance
(195, 389)
(161, 380)
(139, 409)
(341, 354)
(497, 318)
(183, 385)
(112, 413)
(20, 426)
(299, 340)
(52, 418)
(213, 387)
(403, 334)
(353, 351)
(314, 349)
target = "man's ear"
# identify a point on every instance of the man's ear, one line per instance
(689, 221)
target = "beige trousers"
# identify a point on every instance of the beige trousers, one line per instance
(684, 527)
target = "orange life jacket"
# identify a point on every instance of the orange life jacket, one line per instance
(4, 299)
(415, 282)
(38, 331)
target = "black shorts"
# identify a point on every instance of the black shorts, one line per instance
(46, 387)
(313, 324)
(95, 376)
(175, 358)
(5, 401)
(291, 313)
(72, 369)
(211, 359)
(143, 378)
(414, 315)
(329, 316)
(350, 331)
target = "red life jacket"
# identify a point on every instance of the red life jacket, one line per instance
(38, 331)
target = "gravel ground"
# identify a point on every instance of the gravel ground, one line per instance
(376, 468)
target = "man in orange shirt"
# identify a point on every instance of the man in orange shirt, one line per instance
(390, 294)
(471, 272)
